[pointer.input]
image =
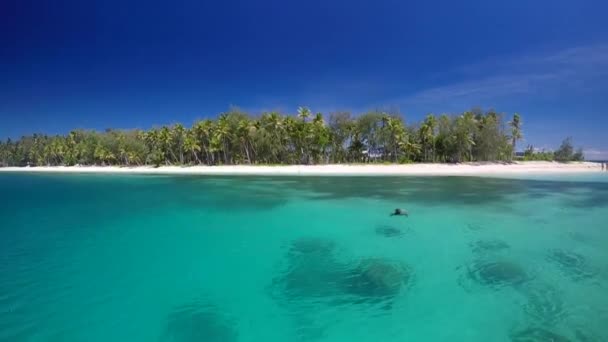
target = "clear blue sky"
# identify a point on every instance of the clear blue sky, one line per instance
(127, 64)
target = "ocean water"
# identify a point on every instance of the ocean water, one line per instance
(184, 259)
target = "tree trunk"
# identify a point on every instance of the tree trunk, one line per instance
(196, 160)
(208, 160)
(513, 142)
(395, 153)
(173, 154)
(254, 153)
(303, 157)
(247, 153)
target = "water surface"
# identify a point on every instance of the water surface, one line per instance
(184, 258)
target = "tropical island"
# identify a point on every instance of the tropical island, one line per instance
(375, 142)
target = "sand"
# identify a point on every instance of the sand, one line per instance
(464, 169)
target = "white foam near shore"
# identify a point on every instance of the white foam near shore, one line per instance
(464, 169)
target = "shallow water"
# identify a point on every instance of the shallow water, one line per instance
(159, 258)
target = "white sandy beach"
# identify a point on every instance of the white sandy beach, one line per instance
(464, 169)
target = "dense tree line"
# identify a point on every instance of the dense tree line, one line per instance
(272, 138)
(564, 153)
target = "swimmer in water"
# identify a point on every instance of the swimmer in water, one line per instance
(399, 212)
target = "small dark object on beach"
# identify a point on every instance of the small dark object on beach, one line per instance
(400, 212)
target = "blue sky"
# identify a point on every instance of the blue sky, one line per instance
(97, 64)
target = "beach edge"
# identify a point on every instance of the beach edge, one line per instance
(462, 169)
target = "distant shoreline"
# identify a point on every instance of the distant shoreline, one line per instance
(463, 169)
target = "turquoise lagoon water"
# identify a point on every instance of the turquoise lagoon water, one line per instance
(160, 258)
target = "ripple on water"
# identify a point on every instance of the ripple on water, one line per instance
(389, 231)
(196, 322)
(488, 246)
(585, 336)
(572, 264)
(537, 334)
(496, 274)
(579, 237)
(308, 246)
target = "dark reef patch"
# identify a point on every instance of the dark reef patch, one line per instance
(389, 231)
(534, 334)
(377, 278)
(544, 305)
(314, 274)
(572, 264)
(311, 246)
(475, 227)
(194, 323)
(496, 274)
(312, 271)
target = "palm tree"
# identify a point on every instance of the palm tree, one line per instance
(152, 140)
(5, 154)
(303, 113)
(275, 138)
(178, 140)
(245, 128)
(394, 135)
(355, 149)
(516, 133)
(430, 123)
(60, 149)
(166, 142)
(191, 145)
(275, 127)
(221, 136)
(320, 138)
(123, 153)
(302, 135)
(203, 132)
(104, 155)
(294, 141)
(464, 135)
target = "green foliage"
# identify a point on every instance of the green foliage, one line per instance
(565, 152)
(516, 133)
(531, 155)
(276, 139)
(578, 155)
